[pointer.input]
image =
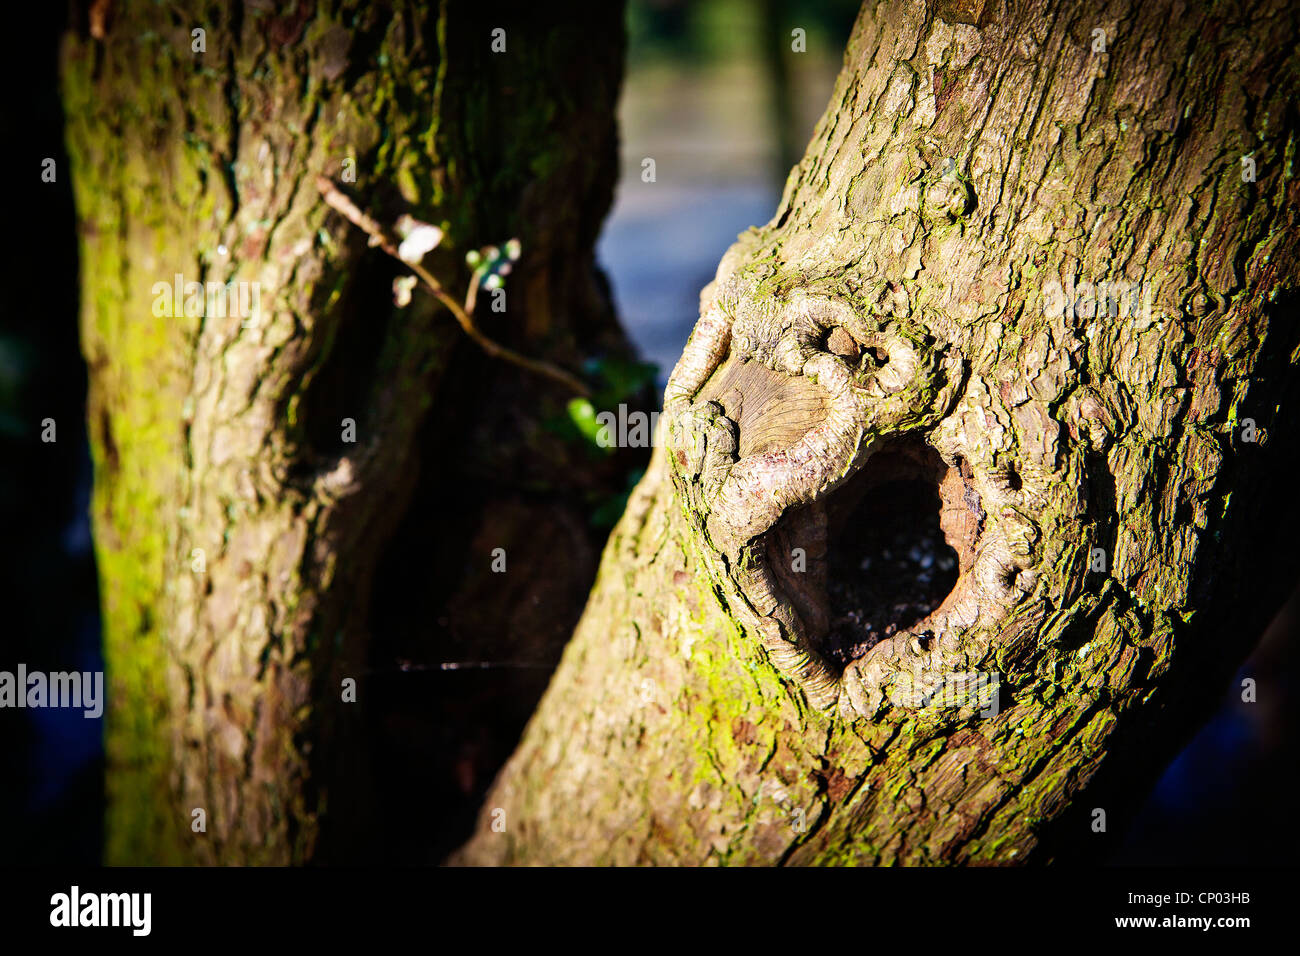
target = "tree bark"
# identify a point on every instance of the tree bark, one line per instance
(238, 528)
(1115, 484)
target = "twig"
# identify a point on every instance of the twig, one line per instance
(378, 237)
(471, 293)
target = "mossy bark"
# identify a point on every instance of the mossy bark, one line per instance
(237, 528)
(972, 156)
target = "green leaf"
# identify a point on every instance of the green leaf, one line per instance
(583, 414)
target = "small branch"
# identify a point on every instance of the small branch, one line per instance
(337, 201)
(471, 294)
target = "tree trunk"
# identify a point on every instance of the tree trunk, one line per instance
(909, 359)
(240, 525)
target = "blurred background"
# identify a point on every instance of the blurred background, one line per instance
(717, 98)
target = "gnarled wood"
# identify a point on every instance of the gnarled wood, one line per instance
(975, 160)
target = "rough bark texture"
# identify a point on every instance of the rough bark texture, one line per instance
(973, 154)
(225, 437)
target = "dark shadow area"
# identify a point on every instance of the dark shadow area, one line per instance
(889, 565)
(51, 804)
(1222, 801)
(874, 557)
